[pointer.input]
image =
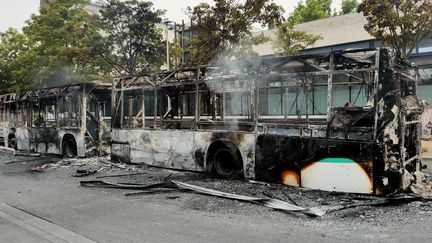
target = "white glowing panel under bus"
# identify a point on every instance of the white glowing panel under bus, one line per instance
(337, 174)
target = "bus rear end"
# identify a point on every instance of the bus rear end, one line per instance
(368, 140)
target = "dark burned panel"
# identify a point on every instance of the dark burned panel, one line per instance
(120, 152)
(199, 157)
(276, 154)
(234, 137)
(44, 136)
(397, 130)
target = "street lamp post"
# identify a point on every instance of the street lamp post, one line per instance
(166, 22)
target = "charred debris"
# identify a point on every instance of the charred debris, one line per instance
(269, 201)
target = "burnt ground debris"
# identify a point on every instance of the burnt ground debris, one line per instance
(140, 177)
(383, 223)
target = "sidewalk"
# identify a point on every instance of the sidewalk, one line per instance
(19, 226)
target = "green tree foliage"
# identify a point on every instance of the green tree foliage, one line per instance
(15, 55)
(63, 35)
(349, 6)
(131, 41)
(401, 24)
(223, 31)
(311, 10)
(291, 42)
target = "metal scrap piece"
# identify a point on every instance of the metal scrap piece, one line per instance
(313, 211)
(129, 186)
(271, 203)
(277, 204)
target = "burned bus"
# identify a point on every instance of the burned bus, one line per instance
(341, 121)
(66, 120)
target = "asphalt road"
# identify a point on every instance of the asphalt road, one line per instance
(106, 215)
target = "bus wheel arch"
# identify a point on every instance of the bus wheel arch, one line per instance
(69, 146)
(224, 159)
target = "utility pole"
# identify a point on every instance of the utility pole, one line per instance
(183, 58)
(166, 22)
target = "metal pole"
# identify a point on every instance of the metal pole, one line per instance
(330, 89)
(197, 99)
(175, 41)
(121, 104)
(113, 103)
(190, 30)
(167, 46)
(143, 109)
(182, 42)
(155, 105)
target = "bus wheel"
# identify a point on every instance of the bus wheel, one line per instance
(69, 147)
(227, 161)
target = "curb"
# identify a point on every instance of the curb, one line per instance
(40, 227)
(7, 151)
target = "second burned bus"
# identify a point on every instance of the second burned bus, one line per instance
(65, 120)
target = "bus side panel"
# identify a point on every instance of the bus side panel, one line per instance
(169, 149)
(44, 140)
(22, 135)
(49, 140)
(186, 150)
(324, 164)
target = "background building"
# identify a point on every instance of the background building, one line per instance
(93, 7)
(347, 32)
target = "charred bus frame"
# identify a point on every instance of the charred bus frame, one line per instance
(345, 121)
(52, 120)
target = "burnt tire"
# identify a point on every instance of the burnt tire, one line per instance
(227, 162)
(69, 148)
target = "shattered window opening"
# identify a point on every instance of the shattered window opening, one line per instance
(69, 111)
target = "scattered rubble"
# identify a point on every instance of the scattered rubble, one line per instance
(151, 181)
(98, 164)
(273, 203)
